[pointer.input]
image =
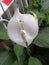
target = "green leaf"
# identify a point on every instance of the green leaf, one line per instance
(34, 61)
(47, 19)
(3, 33)
(6, 58)
(15, 63)
(42, 39)
(45, 5)
(19, 50)
(20, 53)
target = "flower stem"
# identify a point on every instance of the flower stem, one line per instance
(2, 6)
(3, 9)
(5, 46)
(28, 49)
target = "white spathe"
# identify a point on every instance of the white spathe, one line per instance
(22, 22)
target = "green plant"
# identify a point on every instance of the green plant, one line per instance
(39, 49)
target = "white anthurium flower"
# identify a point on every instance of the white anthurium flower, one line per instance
(22, 28)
